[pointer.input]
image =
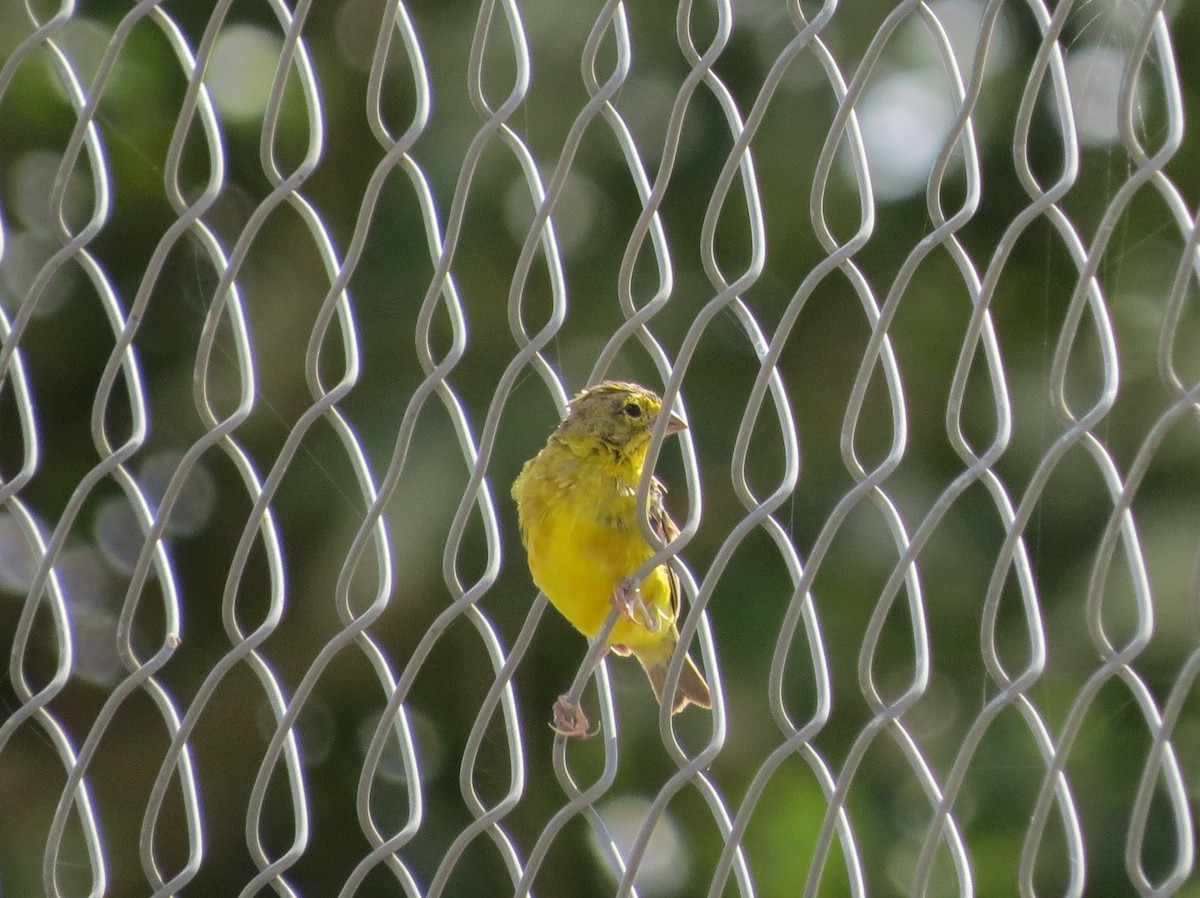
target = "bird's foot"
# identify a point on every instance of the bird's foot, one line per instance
(627, 599)
(570, 721)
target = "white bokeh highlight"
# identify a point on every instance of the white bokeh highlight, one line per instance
(664, 867)
(904, 119)
(93, 596)
(18, 560)
(1094, 75)
(242, 70)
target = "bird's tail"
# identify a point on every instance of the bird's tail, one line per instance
(692, 688)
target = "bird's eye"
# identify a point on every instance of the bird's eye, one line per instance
(633, 410)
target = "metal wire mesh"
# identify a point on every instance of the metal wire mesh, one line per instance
(291, 289)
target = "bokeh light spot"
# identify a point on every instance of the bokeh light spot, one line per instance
(576, 214)
(31, 187)
(664, 866)
(118, 534)
(242, 70)
(904, 120)
(84, 42)
(25, 255)
(1094, 76)
(962, 20)
(430, 748)
(196, 501)
(18, 561)
(92, 599)
(95, 659)
(315, 728)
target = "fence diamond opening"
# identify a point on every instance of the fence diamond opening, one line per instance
(288, 291)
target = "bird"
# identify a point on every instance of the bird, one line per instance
(578, 515)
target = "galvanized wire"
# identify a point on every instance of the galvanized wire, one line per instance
(507, 809)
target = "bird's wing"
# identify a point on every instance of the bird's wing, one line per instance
(664, 528)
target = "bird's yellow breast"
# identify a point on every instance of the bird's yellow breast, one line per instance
(579, 522)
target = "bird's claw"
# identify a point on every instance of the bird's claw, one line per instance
(570, 721)
(627, 599)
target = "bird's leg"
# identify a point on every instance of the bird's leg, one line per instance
(569, 719)
(627, 599)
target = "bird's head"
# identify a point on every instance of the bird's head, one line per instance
(618, 415)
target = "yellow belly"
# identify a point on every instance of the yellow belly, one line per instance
(577, 560)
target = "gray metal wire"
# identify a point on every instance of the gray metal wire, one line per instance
(420, 839)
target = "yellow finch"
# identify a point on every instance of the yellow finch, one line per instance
(577, 504)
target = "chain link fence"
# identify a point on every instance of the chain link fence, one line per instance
(290, 290)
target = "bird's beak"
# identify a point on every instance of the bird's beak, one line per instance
(675, 424)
